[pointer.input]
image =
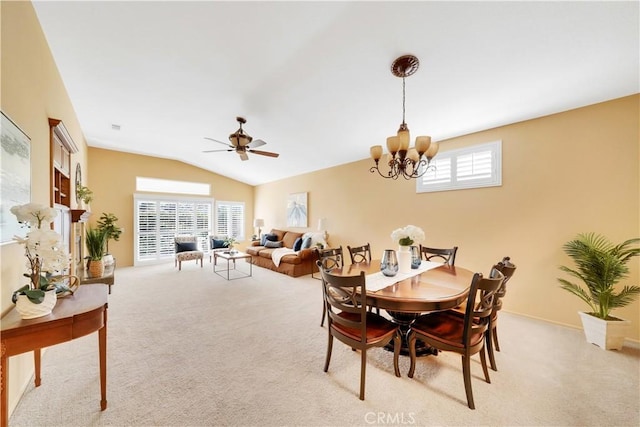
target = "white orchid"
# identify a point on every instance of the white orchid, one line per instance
(43, 246)
(407, 236)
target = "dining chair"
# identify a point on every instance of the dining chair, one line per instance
(507, 268)
(448, 256)
(360, 253)
(329, 259)
(448, 331)
(349, 321)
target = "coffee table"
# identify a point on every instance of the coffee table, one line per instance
(232, 257)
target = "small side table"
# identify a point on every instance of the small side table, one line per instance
(108, 277)
(232, 257)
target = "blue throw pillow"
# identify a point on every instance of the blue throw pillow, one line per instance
(219, 243)
(270, 244)
(185, 247)
(272, 237)
(297, 244)
(306, 243)
(263, 239)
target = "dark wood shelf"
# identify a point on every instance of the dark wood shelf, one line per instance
(80, 215)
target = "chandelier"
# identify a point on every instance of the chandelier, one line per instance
(405, 161)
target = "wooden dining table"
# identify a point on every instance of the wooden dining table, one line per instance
(438, 289)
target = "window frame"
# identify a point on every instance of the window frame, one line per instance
(494, 180)
(241, 221)
(160, 237)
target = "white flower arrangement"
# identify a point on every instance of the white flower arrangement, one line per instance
(43, 248)
(407, 236)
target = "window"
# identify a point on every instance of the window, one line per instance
(159, 219)
(156, 185)
(470, 167)
(230, 219)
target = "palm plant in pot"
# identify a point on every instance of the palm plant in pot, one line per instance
(600, 265)
(95, 239)
(107, 223)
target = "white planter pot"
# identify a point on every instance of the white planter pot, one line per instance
(107, 259)
(29, 310)
(606, 334)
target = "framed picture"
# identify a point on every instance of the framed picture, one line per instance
(15, 177)
(297, 210)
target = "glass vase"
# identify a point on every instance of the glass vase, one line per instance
(389, 263)
(415, 257)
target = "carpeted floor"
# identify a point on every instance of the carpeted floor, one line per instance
(192, 349)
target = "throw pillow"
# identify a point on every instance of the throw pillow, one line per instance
(219, 243)
(306, 243)
(272, 237)
(270, 244)
(297, 244)
(185, 247)
(263, 239)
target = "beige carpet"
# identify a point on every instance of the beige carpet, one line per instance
(191, 349)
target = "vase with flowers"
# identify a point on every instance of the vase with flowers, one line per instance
(406, 236)
(46, 260)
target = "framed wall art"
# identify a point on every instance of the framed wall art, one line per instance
(15, 177)
(297, 210)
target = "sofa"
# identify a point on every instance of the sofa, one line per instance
(292, 258)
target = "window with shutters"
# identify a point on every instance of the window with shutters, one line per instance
(158, 220)
(230, 219)
(469, 167)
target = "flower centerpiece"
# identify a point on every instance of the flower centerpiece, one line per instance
(44, 251)
(230, 242)
(407, 236)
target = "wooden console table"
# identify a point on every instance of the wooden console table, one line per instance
(73, 317)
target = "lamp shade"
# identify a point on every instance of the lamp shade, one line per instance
(322, 224)
(258, 222)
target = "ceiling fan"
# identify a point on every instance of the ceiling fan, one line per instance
(242, 143)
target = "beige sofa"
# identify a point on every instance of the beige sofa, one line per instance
(294, 264)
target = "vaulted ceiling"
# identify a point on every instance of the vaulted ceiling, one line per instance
(313, 79)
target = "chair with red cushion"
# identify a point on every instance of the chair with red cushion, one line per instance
(448, 255)
(507, 268)
(330, 258)
(350, 322)
(360, 253)
(449, 331)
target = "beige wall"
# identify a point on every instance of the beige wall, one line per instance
(31, 91)
(563, 174)
(113, 179)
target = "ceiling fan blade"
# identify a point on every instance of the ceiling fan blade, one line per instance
(264, 153)
(256, 143)
(216, 151)
(219, 142)
(243, 155)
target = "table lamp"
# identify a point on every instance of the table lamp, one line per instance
(258, 222)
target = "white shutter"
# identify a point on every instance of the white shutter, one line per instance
(230, 219)
(159, 219)
(471, 167)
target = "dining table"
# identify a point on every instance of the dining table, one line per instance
(432, 287)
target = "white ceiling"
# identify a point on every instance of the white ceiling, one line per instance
(313, 79)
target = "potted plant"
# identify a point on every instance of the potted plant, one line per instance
(95, 240)
(600, 265)
(84, 194)
(111, 230)
(46, 259)
(230, 242)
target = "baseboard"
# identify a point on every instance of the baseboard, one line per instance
(628, 342)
